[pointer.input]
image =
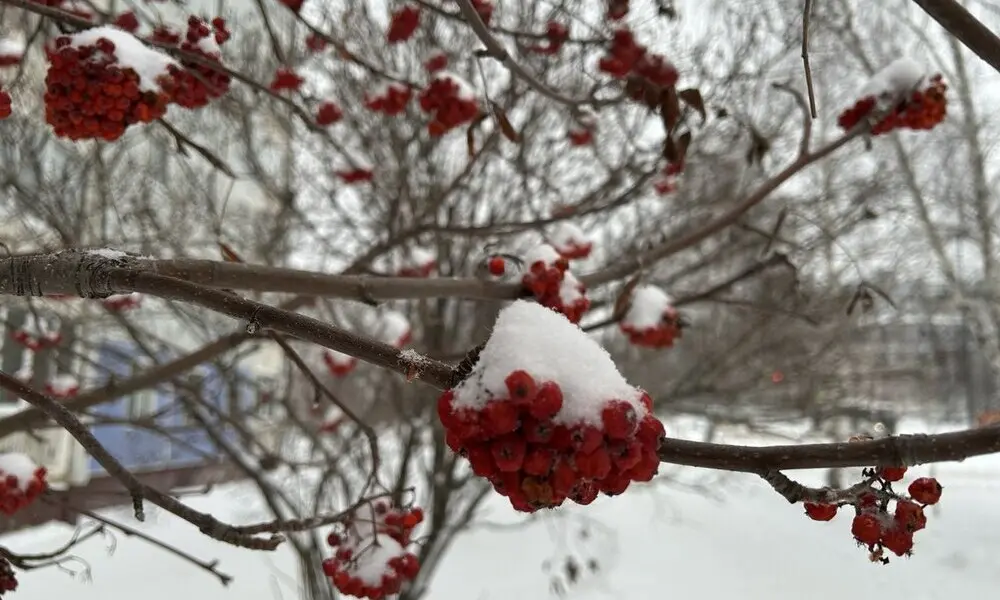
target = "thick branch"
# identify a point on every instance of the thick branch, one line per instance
(969, 30)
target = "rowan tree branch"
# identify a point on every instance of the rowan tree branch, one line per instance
(965, 27)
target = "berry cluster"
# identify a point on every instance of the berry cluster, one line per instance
(8, 580)
(666, 183)
(450, 101)
(648, 73)
(876, 526)
(127, 21)
(35, 336)
(390, 99)
(284, 79)
(122, 302)
(328, 114)
(403, 24)
(371, 560)
(617, 9)
(92, 92)
(922, 110)
(556, 35)
(517, 442)
(553, 285)
(21, 482)
(196, 84)
(338, 363)
(62, 387)
(6, 105)
(570, 241)
(436, 62)
(651, 319)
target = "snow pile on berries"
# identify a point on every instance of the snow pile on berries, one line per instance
(570, 241)
(371, 559)
(902, 96)
(545, 415)
(128, 53)
(122, 302)
(21, 482)
(552, 284)
(63, 386)
(651, 319)
(338, 363)
(11, 52)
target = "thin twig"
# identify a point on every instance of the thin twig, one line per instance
(806, 14)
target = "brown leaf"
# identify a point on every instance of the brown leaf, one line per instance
(505, 126)
(670, 109)
(692, 97)
(228, 254)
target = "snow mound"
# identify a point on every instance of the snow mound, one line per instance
(20, 466)
(544, 343)
(896, 79)
(647, 307)
(373, 557)
(130, 52)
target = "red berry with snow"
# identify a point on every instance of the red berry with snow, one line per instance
(892, 473)
(21, 482)
(338, 363)
(925, 490)
(866, 528)
(900, 96)
(910, 516)
(193, 83)
(285, 79)
(570, 241)
(651, 320)
(485, 9)
(545, 416)
(898, 540)
(820, 512)
(436, 62)
(553, 285)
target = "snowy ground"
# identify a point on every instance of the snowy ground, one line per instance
(664, 540)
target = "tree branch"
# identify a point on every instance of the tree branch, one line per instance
(969, 30)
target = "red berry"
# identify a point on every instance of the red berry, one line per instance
(538, 462)
(625, 455)
(820, 512)
(910, 516)
(499, 417)
(593, 465)
(925, 490)
(866, 528)
(898, 540)
(521, 387)
(615, 484)
(548, 401)
(481, 459)
(496, 266)
(536, 432)
(892, 473)
(584, 493)
(508, 453)
(619, 420)
(333, 539)
(586, 439)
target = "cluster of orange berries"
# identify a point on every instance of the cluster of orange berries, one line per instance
(15, 494)
(553, 285)
(371, 560)
(922, 110)
(536, 462)
(877, 527)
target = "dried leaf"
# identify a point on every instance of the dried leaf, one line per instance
(505, 126)
(670, 109)
(692, 97)
(228, 254)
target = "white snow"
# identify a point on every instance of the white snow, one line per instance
(37, 328)
(209, 46)
(465, 89)
(63, 384)
(569, 289)
(896, 79)
(108, 252)
(542, 252)
(339, 358)
(566, 235)
(646, 307)
(382, 89)
(372, 558)
(11, 47)
(134, 296)
(25, 373)
(544, 343)
(587, 117)
(147, 62)
(18, 465)
(394, 326)
(422, 256)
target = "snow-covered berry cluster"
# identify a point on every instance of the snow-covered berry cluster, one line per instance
(403, 24)
(8, 579)
(21, 482)
(102, 80)
(328, 113)
(195, 84)
(285, 79)
(451, 102)
(122, 302)
(570, 241)
(647, 73)
(556, 35)
(11, 52)
(546, 417)
(883, 519)
(63, 386)
(389, 99)
(553, 285)
(371, 559)
(420, 262)
(900, 96)
(651, 319)
(338, 363)
(35, 334)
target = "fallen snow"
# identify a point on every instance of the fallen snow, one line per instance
(647, 307)
(18, 465)
(147, 62)
(542, 252)
(394, 326)
(544, 343)
(108, 252)
(567, 236)
(465, 89)
(896, 79)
